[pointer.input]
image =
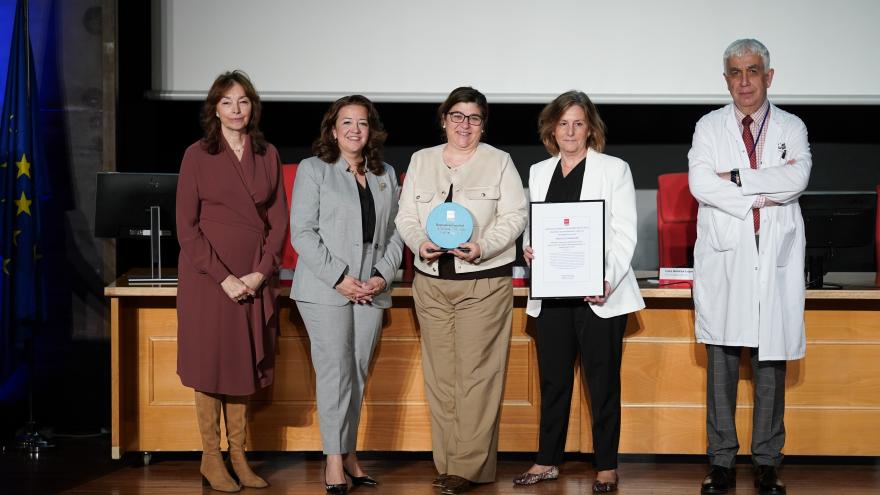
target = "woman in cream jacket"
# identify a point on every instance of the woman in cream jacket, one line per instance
(464, 298)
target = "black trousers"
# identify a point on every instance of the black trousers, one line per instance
(566, 329)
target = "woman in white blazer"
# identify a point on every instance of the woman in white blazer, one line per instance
(342, 225)
(572, 131)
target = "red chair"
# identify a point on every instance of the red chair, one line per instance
(676, 221)
(877, 239)
(288, 255)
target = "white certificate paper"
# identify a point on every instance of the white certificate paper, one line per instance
(569, 244)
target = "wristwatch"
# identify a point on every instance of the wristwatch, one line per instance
(734, 177)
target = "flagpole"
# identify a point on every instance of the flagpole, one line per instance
(30, 440)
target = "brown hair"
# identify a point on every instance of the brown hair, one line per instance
(326, 147)
(464, 94)
(210, 122)
(551, 114)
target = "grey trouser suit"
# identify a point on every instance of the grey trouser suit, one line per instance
(326, 231)
(343, 339)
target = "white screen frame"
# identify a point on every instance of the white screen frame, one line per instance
(515, 51)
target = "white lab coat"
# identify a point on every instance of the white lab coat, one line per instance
(608, 178)
(743, 297)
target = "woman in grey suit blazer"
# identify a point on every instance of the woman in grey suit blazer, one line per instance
(342, 225)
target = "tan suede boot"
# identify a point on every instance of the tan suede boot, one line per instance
(235, 411)
(212, 468)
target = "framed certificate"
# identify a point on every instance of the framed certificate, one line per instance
(569, 244)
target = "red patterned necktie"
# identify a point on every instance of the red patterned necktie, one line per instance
(749, 141)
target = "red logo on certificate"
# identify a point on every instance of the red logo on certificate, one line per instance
(565, 221)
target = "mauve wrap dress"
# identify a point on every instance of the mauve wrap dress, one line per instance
(231, 219)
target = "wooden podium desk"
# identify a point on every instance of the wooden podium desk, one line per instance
(832, 400)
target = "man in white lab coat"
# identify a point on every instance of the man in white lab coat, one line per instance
(748, 164)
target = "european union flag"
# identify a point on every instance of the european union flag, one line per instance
(23, 187)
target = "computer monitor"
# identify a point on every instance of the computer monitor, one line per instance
(137, 205)
(839, 228)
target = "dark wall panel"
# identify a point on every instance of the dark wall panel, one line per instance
(653, 139)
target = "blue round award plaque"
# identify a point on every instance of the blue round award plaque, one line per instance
(449, 224)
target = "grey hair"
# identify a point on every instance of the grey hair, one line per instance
(741, 47)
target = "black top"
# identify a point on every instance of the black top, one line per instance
(566, 188)
(368, 211)
(563, 189)
(446, 265)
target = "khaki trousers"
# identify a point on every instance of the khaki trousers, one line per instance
(465, 330)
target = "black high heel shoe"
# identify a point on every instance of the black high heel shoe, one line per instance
(365, 480)
(341, 488)
(338, 488)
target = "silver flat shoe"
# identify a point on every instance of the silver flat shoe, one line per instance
(528, 478)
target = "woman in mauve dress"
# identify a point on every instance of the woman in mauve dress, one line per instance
(231, 225)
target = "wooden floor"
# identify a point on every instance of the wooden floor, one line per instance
(413, 477)
(84, 467)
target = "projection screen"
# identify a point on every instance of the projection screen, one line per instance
(624, 51)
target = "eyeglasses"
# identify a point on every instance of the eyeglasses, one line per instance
(474, 119)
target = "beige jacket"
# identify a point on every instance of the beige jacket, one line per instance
(488, 185)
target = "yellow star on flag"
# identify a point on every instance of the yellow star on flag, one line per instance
(6, 266)
(23, 205)
(3, 165)
(24, 167)
(15, 234)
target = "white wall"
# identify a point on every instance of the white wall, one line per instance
(515, 51)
